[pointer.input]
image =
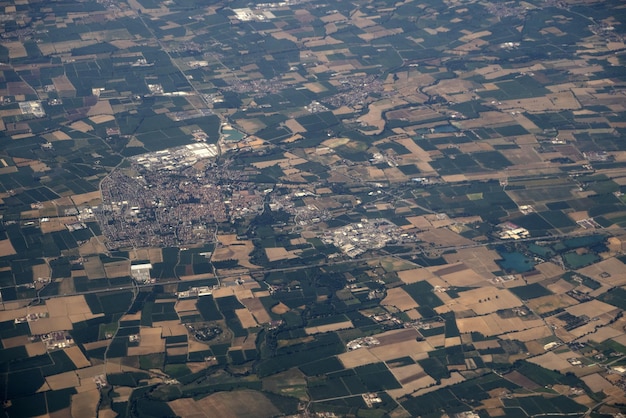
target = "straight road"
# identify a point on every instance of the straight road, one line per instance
(139, 286)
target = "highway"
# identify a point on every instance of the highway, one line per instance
(421, 251)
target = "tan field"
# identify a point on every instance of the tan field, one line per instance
(93, 246)
(176, 351)
(101, 108)
(550, 269)
(6, 248)
(452, 341)
(117, 269)
(265, 164)
(35, 349)
(397, 336)
(87, 198)
(551, 361)
(88, 373)
(399, 298)
(250, 125)
(418, 382)
(170, 328)
(330, 327)
(77, 357)
(67, 413)
(463, 278)
(227, 239)
(549, 303)
(197, 276)
(27, 214)
(455, 377)
(603, 334)
(46, 325)
(615, 269)
(415, 275)
(521, 380)
(15, 341)
(455, 85)
(409, 374)
(455, 178)
(414, 349)
(151, 342)
(492, 324)
(485, 300)
(475, 147)
(335, 142)
(16, 49)
(238, 251)
(257, 309)
(139, 254)
(280, 308)
(294, 126)
(420, 222)
(123, 392)
(413, 115)
(240, 291)
(63, 380)
(185, 305)
(68, 305)
(436, 341)
(246, 318)
(524, 155)
(131, 317)
(279, 253)
(480, 258)
(597, 383)
(41, 270)
(238, 403)
(195, 367)
(187, 407)
(554, 102)
(194, 346)
(94, 268)
(560, 287)
(374, 116)
(85, 404)
(96, 344)
(590, 327)
(531, 334)
(101, 112)
(374, 173)
(444, 238)
(81, 126)
(155, 255)
(356, 358)
(57, 136)
(489, 118)
(483, 345)
(315, 87)
(10, 112)
(592, 308)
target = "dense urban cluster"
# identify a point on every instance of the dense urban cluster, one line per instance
(177, 206)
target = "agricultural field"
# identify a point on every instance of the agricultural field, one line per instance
(354, 208)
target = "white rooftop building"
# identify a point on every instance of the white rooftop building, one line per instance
(141, 272)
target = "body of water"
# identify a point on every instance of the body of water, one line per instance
(515, 262)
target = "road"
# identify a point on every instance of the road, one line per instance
(327, 263)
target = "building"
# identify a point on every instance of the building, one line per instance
(141, 272)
